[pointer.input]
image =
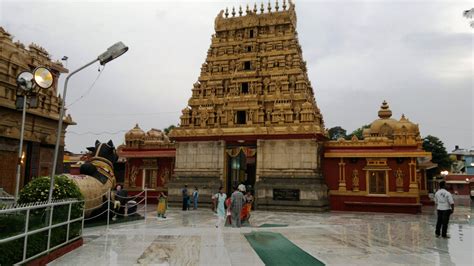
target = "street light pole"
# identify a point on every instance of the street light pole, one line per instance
(60, 126)
(112, 52)
(20, 150)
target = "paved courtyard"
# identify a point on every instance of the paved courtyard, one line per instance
(335, 238)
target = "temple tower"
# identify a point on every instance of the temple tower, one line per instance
(252, 117)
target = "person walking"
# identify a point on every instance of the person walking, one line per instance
(445, 207)
(184, 191)
(220, 198)
(162, 205)
(237, 201)
(195, 198)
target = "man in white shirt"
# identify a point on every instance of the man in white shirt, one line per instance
(445, 207)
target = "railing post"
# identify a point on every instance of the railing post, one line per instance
(146, 198)
(108, 208)
(25, 243)
(83, 215)
(50, 223)
(68, 223)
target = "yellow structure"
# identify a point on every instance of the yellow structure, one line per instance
(384, 171)
(252, 117)
(41, 122)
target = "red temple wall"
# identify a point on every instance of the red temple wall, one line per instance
(331, 172)
(375, 204)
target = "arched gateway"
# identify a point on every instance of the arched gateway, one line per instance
(252, 117)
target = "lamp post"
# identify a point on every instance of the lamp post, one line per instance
(27, 81)
(112, 52)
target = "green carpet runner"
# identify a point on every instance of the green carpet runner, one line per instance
(273, 225)
(275, 249)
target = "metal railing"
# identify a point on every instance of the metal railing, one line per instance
(45, 217)
(132, 201)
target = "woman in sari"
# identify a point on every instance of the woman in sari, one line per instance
(162, 205)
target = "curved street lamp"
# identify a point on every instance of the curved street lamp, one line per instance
(112, 52)
(27, 82)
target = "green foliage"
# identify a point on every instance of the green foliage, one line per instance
(358, 132)
(12, 251)
(438, 151)
(168, 129)
(38, 189)
(336, 133)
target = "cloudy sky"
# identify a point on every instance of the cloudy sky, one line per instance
(417, 55)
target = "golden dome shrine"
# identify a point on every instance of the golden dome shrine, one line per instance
(401, 132)
(382, 171)
(137, 138)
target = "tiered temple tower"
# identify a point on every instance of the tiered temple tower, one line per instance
(41, 122)
(252, 117)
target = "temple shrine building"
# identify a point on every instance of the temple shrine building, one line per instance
(385, 171)
(41, 119)
(149, 161)
(252, 117)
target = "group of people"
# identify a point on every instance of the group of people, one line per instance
(187, 198)
(234, 209)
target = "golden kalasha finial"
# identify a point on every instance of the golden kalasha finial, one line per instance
(226, 12)
(240, 11)
(261, 9)
(255, 8)
(276, 5)
(233, 11)
(269, 7)
(284, 4)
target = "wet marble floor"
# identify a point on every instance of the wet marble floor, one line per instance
(335, 238)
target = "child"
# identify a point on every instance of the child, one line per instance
(162, 205)
(228, 213)
(195, 198)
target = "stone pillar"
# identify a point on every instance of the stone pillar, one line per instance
(342, 175)
(412, 170)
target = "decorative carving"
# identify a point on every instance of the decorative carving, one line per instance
(355, 180)
(399, 180)
(133, 176)
(256, 83)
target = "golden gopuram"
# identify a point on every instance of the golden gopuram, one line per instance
(252, 117)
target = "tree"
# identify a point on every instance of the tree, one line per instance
(336, 133)
(168, 129)
(469, 14)
(358, 132)
(439, 154)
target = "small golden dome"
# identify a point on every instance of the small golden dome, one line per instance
(386, 126)
(385, 111)
(186, 110)
(306, 105)
(135, 133)
(404, 125)
(155, 134)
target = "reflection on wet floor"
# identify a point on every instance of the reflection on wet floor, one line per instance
(336, 238)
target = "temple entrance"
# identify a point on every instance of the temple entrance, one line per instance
(241, 167)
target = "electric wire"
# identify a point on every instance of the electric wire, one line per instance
(89, 89)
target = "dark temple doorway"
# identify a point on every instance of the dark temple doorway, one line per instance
(241, 168)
